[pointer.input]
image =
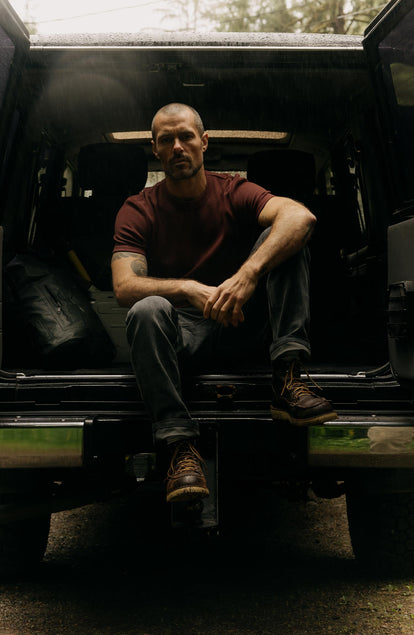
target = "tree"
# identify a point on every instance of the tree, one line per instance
(28, 19)
(305, 16)
(362, 13)
(251, 15)
(184, 14)
(337, 16)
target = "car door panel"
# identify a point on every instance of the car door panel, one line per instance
(14, 47)
(389, 45)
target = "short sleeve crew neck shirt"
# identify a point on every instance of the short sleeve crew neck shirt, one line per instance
(205, 239)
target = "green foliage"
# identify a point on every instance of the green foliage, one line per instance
(186, 13)
(283, 16)
(251, 15)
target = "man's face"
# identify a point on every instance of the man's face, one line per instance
(178, 145)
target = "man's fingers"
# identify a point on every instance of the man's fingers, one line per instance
(210, 303)
(236, 318)
(232, 316)
(224, 308)
(232, 309)
(218, 307)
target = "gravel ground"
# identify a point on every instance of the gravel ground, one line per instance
(290, 569)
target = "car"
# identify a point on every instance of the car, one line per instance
(324, 119)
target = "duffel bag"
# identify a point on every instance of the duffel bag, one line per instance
(55, 312)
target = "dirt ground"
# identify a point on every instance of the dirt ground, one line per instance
(283, 568)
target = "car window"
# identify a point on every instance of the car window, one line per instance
(396, 52)
(324, 16)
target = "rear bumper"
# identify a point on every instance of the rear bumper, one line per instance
(41, 442)
(354, 441)
(361, 441)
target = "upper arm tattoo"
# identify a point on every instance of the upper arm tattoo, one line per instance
(138, 262)
(139, 265)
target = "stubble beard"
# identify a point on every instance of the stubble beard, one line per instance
(182, 171)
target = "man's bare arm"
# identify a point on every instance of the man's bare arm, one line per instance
(132, 283)
(291, 227)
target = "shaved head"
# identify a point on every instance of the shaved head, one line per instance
(174, 109)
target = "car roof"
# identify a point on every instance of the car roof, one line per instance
(261, 81)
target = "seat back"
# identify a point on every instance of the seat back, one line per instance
(108, 173)
(112, 169)
(289, 173)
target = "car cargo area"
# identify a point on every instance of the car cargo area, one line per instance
(84, 146)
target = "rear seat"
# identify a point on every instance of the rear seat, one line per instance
(110, 173)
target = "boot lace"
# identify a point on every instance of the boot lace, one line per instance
(294, 384)
(185, 458)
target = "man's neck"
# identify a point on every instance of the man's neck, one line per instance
(187, 188)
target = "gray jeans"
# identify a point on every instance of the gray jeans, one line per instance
(163, 339)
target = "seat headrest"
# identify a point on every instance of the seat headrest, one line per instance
(112, 168)
(288, 173)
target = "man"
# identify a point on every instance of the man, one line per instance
(186, 265)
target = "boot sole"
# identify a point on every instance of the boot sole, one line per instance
(282, 415)
(185, 494)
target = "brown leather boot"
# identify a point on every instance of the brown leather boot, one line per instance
(185, 478)
(295, 402)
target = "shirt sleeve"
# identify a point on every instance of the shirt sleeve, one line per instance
(248, 197)
(131, 228)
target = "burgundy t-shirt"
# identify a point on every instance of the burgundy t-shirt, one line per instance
(205, 239)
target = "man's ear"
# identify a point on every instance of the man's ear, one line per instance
(153, 149)
(204, 141)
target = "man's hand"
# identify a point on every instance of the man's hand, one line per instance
(225, 303)
(197, 293)
(291, 227)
